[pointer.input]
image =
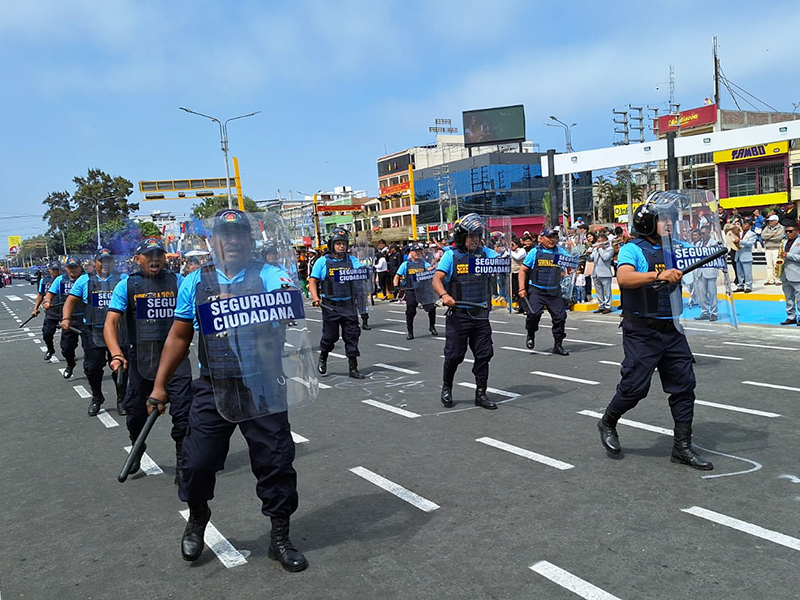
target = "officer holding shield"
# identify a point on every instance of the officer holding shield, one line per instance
(468, 294)
(143, 305)
(241, 381)
(333, 288)
(418, 289)
(650, 337)
(52, 315)
(540, 288)
(54, 301)
(94, 292)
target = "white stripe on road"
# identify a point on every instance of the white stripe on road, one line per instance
(315, 320)
(398, 490)
(148, 465)
(772, 385)
(492, 390)
(609, 362)
(393, 347)
(540, 458)
(527, 351)
(398, 369)
(604, 321)
(565, 378)
(570, 340)
(570, 582)
(509, 332)
(14, 298)
(744, 526)
(82, 391)
(468, 360)
(35, 341)
(393, 331)
(636, 424)
(302, 381)
(31, 334)
(395, 320)
(32, 296)
(106, 419)
(398, 411)
(226, 553)
(749, 411)
(717, 356)
(336, 355)
(43, 348)
(54, 360)
(759, 346)
(298, 439)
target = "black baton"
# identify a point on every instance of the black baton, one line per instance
(137, 446)
(28, 321)
(660, 283)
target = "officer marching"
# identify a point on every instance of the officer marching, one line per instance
(52, 315)
(467, 294)
(540, 281)
(241, 381)
(144, 305)
(54, 302)
(417, 290)
(650, 337)
(340, 300)
(93, 292)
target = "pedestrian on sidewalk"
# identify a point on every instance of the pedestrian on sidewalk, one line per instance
(773, 238)
(790, 277)
(744, 258)
(601, 256)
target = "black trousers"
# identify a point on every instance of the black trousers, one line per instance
(49, 327)
(645, 349)
(467, 329)
(206, 445)
(95, 357)
(383, 283)
(411, 310)
(335, 318)
(538, 301)
(69, 342)
(179, 391)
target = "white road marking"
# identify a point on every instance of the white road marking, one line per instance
(315, 320)
(570, 340)
(14, 298)
(772, 385)
(509, 332)
(299, 439)
(609, 362)
(570, 582)
(106, 419)
(636, 424)
(749, 411)
(32, 296)
(398, 411)
(717, 356)
(395, 320)
(527, 351)
(35, 341)
(398, 490)
(336, 355)
(393, 347)
(43, 348)
(398, 369)
(791, 478)
(467, 360)
(148, 465)
(61, 371)
(492, 390)
(82, 391)
(604, 321)
(54, 360)
(302, 381)
(540, 458)
(565, 378)
(31, 334)
(392, 331)
(226, 553)
(759, 346)
(744, 526)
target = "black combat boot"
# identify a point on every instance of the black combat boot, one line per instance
(70, 368)
(282, 549)
(432, 323)
(530, 341)
(682, 451)
(353, 363)
(481, 399)
(322, 365)
(192, 540)
(447, 394)
(178, 458)
(410, 335)
(559, 349)
(97, 398)
(49, 354)
(608, 432)
(365, 322)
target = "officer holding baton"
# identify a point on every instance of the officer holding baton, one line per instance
(52, 315)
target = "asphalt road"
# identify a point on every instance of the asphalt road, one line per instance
(516, 503)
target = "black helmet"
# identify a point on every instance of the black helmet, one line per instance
(471, 224)
(657, 203)
(339, 234)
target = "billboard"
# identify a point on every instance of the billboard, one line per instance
(494, 125)
(14, 242)
(696, 117)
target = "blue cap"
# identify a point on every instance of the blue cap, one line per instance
(54, 265)
(231, 219)
(103, 253)
(150, 244)
(72, 262)
(549, 232)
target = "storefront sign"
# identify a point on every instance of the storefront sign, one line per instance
(394, 189)
(748, 152)
(696, 117)
(622, 209)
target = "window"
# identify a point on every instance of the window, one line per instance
(763, 179)
(741, 182)
(771, 179)
(796, 175)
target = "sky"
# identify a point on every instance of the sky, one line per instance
(98, 84)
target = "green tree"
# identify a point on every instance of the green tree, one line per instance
(212, 204)
(609, 193)
(149, 229)
(546, 207)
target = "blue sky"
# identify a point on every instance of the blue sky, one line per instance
(99, 83)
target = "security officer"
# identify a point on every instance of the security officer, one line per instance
(54, 300)
(52, 315)
(540, 281)
(94, 292)
(466, 324)
(207, 441)
(152, 291)
(415, 264)
(339, 301)
(650, 338)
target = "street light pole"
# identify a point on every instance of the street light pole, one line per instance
(97, 212)
(568, 140)
(223, 140)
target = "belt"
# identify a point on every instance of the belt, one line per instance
(463, 309)
(662, 325)
(338, 302)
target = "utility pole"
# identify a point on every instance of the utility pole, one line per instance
(625, 131)
(716, 72)
(552, 182)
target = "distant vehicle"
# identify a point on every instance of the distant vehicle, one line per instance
(17, 273)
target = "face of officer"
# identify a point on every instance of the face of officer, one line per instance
(74, 271)
(104, 266)
(233, 246)
(548, 242)
(472, 242)
(339, 247)
(151, 263)
(665, 226)
(413, 255)
(54, 272)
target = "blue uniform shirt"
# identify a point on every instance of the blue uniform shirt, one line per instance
(530, 261)
(119, 298)
(320, 271)
(42, 289)
(55, 287)
(631, 254)
(403, 270)
(80, 289)
(446, 262)
(272, 276)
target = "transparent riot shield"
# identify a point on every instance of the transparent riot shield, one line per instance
(155, 299)
(568, 260)
(500, 241)
(365, 254)
(254, 345)
(343, 285)
(99, 288)
(693, 242)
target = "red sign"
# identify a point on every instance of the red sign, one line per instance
(394, 189)
(705, 115)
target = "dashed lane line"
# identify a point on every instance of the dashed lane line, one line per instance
(82, 391)
(573, 340)
(759, 346)
(148, 465)
(31, 296)
(772, 385)
(106, 419)
(571, 582)
(744, 526)
(393, 409)
(610, 362)
(398, 369)
(14, 298)
(393, 331)
(492, 390)
(30, 334)
(527, 351)
(540, 458)
(393, 347)
(717, 356)
(749, 411)
(565, 377)
(466, 360)
(398, 490)
(222, 548)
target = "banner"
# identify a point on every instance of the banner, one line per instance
(14, 241)
(489, 266)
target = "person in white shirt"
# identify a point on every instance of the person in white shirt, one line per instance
(382, 270)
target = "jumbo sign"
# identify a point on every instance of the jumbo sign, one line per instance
(748, 152)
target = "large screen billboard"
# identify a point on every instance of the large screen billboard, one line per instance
(494, 125)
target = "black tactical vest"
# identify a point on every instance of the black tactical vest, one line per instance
(330, 287)
(644, 300)
(546, 274)
(99, 294)
(466, 287)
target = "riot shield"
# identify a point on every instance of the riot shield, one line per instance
(155, 299)
(701, 254)
(254, 345)
(365, 254)
(500, 242)
(274, 245)
(568, 260)
(100, 287)
(422, 282)
(344, 284)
